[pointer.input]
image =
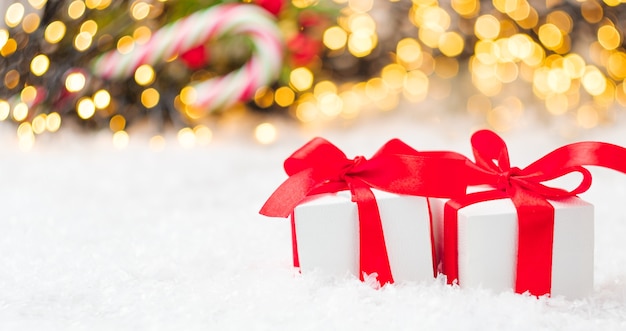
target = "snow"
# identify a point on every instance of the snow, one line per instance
(96, 238)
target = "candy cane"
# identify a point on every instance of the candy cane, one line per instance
(180, 36)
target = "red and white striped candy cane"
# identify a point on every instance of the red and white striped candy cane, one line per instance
(196, 29)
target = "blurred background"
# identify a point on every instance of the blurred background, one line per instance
(193, 67)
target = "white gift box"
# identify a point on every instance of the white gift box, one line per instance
(327, 234)
(487, 246)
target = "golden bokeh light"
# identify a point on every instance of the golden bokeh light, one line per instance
(9, 47)
(76, 9)
(31, 23)
(335, 38)
(284, 96)
(54, 32)
(39, 124)
(89, 26)
(85, 108)
(125, 44)
(83, 41)
(5, 110)
(101, 99)
(75, 81)
(144, 75)
(20, 112)
(139, 10)
(550, 36)
(451, 44)
(117, 123)
(301, 78)
(150, 98)
(39, 64)
(14, 14)
(609, 37)
(28, 95)
(53, 122)
(121, 139)
(265, 133)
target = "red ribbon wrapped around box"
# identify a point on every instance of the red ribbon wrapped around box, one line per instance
(320, 167)
(529, 195)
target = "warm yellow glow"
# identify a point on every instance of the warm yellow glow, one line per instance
(121, 139)
(53, 122)
(265, 133)
(561, 19)
(25, 136)
(519, 11)
(90, 27)
(301, 78)
(306, 112)
(101, 99)
(594, 81)
(140, 10)
(75, 82)
(144, 75)
(330, 104)
(92, 4)
(409, 50)
(39, 65)
(359, 6)
(4, 37)
(558, 80)
(609, 37)
(54, 32)
(335, 38)
(446, 67)
(150, 98)
(574, 65)
(28, 94)
(9, 47)
(20, 112)
(550, 36)
(117, 123)
(415, 86)
(616, 65)
(188, 95)
(520, 46)
(37, 4)
(125, 44)
(82, 41)
(284, 96)
(466, 8)
(5, 110)
(31, 23)
(14, 14)
(303, 3)
(85, 108)
(39, 124)
(592, 11)
(142, 34)
(451, 44)
(186, 137)
(478, 104)
(204, 135)
(361, 43)
(393, 76)
(487, 27)
(76, 9)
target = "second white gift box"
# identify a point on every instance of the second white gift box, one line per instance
(487, 246)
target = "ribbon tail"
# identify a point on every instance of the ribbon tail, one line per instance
(373, 250)
(535, 241)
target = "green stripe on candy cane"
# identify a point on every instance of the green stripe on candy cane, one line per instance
(217, 93)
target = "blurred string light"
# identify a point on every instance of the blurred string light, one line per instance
(500, 58)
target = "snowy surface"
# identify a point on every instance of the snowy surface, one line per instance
(95, 238)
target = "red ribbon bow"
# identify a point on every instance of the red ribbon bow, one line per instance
(529, 195)
(320, 167)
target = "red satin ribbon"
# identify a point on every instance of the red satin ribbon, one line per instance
(320, 167)
(529, 195)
